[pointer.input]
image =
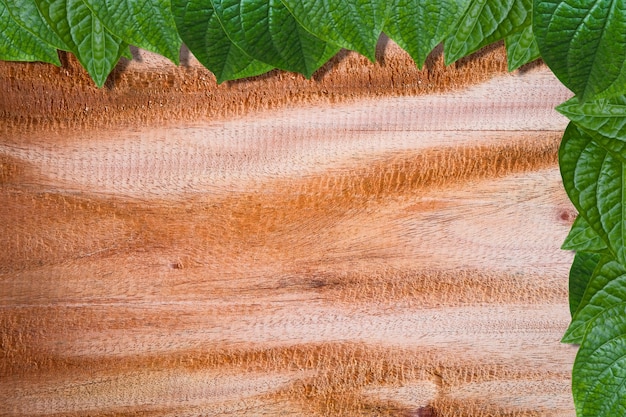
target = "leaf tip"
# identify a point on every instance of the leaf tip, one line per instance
(567, 339)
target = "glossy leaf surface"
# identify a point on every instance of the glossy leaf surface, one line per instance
(485, 22)
(268, 32)
(148, 24)
(427, 25)
(604, 116)
(579, 276)
(584, 43)
(606, 288)
(594, 179)
(97, 49)
(599, 377)
(204, 34)
(351, 24)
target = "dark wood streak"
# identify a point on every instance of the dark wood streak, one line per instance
(421, 282)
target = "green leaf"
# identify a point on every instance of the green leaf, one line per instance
(420, 25)
(485, 22)
(582, 237)
(579, 276)
(606, 288)
(205, 37)
(521, 48)
(584, 44)
(95, 47)
(599, 375)
(606, 116)
(267, 31)
(351, 24)
(27, 15)
(126, 53)
(594, 180)
(148, 24)
(19, 44)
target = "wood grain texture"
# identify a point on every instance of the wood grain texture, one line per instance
(388, 254)
(150, 90)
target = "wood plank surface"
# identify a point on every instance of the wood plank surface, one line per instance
(387, 251)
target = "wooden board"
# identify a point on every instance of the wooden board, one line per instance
(367, 251)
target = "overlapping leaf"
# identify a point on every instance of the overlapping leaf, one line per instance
(599, 376)
(584, 43)
(424, 27)
(582, 237)
(521, 47)
(96, 48)
(267, 31)
(27, 15)
(606, 288)
(351, 24)
(594, 178)
(241, 38)
(19, 44)
(579, 276)
(148, 24)
(485, 22)
(604, 116)
(594, 174)
(204, 34)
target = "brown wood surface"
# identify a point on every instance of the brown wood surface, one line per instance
(376, 241)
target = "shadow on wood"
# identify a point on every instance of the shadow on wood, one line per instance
(351, 249)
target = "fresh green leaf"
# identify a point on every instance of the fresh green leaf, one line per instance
(268, 32)
(485, 22)
(599, 376)
(18, 44)
(27, 15)
(95, 47)
(418, 26)
(205, 37)
(579, 276)
(616, 147)
(521, 48)
(351, 24)
(606, 288)
(606, 116)
(148, 24)
(594, 179)
(584, 43)
(126, 53)
(582, 237)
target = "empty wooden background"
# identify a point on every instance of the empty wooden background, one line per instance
(375, 241)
